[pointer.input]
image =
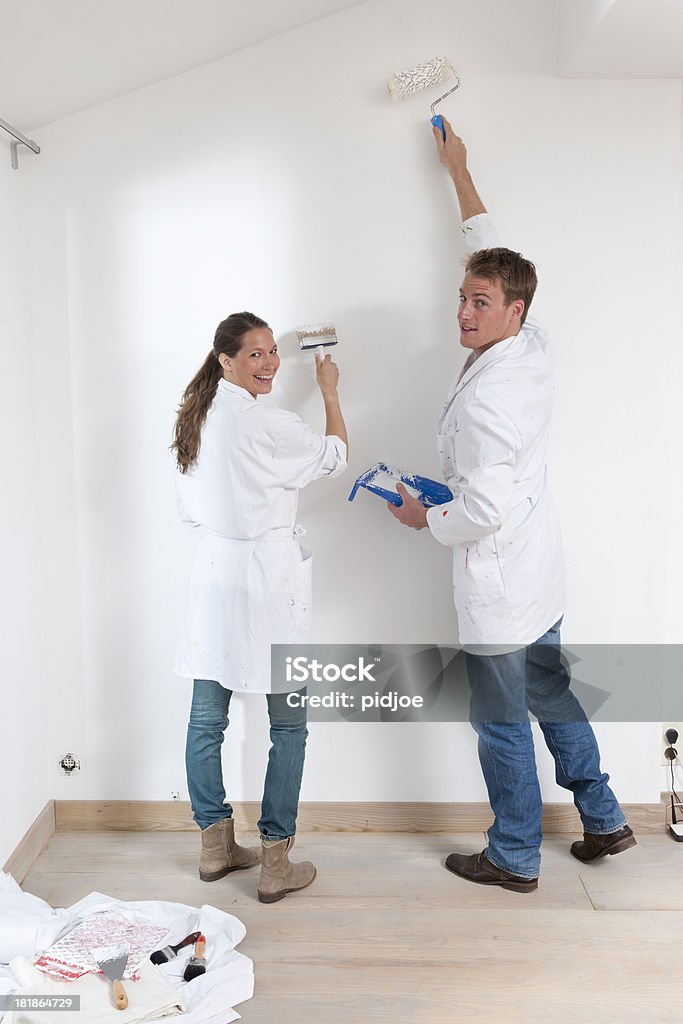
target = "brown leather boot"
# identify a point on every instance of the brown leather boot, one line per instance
(594, 846)
(278, 876)
(476, 867)
(221, 854)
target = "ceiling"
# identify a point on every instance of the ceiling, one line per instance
(61, 56)
(622, 38)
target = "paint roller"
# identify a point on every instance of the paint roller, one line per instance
(424, 76)
(401, 85)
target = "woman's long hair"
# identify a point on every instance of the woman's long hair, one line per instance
(201, 391)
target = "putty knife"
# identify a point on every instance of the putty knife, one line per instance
(112, 961)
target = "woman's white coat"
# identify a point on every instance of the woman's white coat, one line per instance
(251, 579)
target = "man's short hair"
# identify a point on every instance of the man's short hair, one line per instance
(517, 276)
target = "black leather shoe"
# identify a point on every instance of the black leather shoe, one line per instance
(478, 868)
(594, 846)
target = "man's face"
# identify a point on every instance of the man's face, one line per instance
(483, 316)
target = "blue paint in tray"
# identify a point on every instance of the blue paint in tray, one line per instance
(429, 492)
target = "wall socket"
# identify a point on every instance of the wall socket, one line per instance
(678, 726)
(68, 764)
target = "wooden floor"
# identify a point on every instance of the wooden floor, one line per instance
(385, 933)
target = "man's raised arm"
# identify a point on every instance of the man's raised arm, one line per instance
(478, 234)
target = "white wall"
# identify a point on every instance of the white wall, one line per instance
(23, 720)
(283, 180)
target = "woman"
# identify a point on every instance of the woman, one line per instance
(241, 464)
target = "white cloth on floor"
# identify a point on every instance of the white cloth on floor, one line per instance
(150, 998)
(209, 999)
(208, 989)
(229, 977)
(27, 923)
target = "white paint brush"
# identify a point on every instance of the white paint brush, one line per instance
(317, 336)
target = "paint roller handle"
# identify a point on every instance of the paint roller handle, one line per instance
(120, 997)
(451, 149)
(437, 122)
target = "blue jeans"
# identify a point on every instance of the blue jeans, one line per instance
(504, 688)
(205, 731)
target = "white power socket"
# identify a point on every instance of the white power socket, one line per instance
(678, 726)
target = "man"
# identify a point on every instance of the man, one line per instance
(508, 568)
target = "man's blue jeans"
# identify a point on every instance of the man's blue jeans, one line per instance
(205, 731)
(503, 687)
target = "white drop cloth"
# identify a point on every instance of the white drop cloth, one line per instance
(28, 926)
(27, 923)
(150, 998)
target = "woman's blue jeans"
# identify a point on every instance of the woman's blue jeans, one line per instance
(504, 688)
(205, 732)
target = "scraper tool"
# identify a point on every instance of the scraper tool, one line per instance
(112, 961)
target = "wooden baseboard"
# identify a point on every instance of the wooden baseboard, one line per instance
(32, 845)
(176, 816)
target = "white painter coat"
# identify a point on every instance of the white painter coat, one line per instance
(251, 579)
(492, 436)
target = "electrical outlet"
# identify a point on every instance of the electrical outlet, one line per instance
(68, 764)
(175, 794)
(678, 726)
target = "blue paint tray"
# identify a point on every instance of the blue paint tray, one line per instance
(382, 478)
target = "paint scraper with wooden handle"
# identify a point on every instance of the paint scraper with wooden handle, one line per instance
(112, 961)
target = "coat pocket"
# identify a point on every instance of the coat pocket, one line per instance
(446, 449)
(476, 566)
(301, 596)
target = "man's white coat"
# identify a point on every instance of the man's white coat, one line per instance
(493, 433)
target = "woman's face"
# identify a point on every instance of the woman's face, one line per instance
(255, 365)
